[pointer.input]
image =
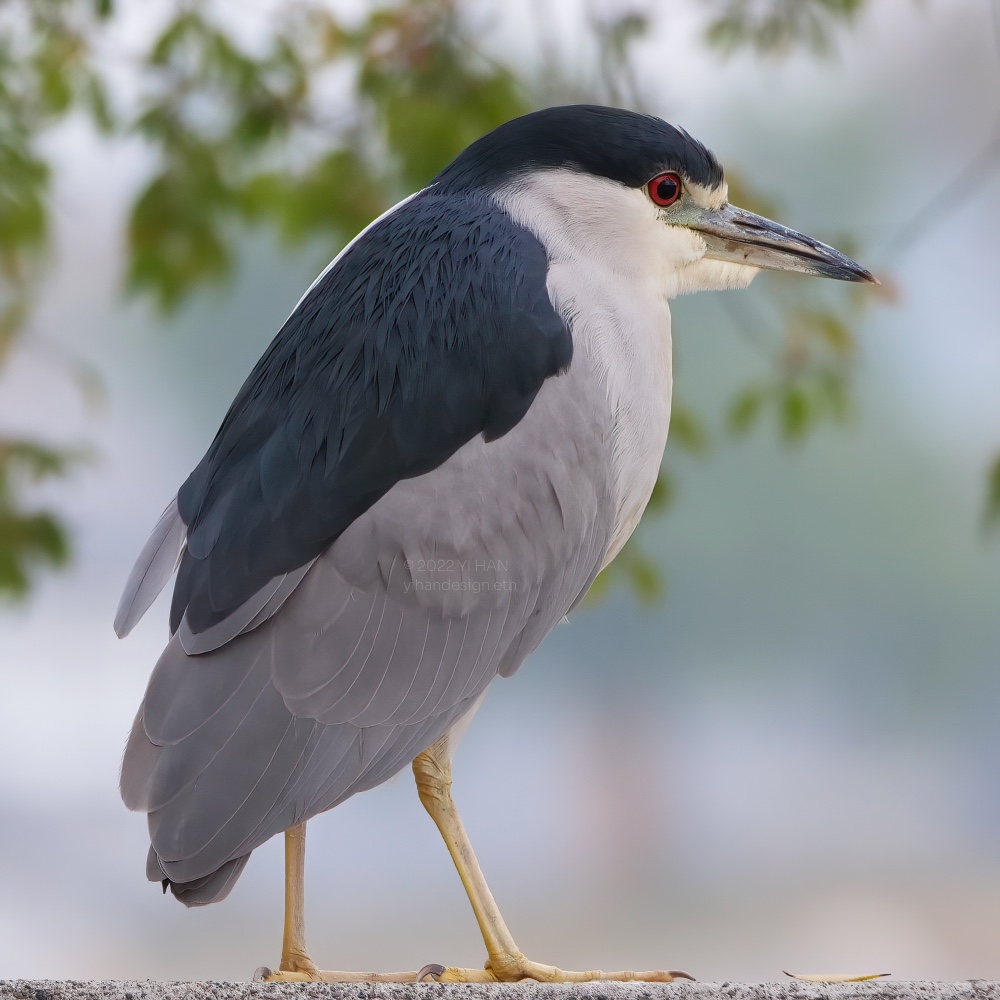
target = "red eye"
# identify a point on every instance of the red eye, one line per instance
(664, 189)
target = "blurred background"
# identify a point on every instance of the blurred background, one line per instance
(770, 741)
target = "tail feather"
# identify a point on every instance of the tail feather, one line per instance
(210, 888)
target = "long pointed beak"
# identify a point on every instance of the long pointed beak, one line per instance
(737, 235)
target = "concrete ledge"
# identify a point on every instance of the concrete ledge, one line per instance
(23, 989)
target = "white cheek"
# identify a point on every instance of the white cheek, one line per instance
(708, 275)
(679, 246)
(684, 268)
(673, 250)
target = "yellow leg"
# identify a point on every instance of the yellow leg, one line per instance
(506, 963)
(294, 955)
(296, 965)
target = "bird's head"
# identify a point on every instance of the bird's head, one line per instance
(637, 193)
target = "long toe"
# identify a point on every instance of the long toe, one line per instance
(266, 975)
(514, 968)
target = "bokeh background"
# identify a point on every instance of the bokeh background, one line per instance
(773, 742)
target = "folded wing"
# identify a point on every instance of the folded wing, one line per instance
(398, 507)
(392, 635)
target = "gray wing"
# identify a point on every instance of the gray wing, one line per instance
(391, 636)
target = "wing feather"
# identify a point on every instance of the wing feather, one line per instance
(154, 567)
(224, 735)
(256, 609)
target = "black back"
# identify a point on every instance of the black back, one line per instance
(434, 327)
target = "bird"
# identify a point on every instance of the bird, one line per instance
(456, 429)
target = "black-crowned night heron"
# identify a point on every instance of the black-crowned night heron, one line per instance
(457, 427)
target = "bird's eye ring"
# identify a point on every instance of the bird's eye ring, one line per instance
(664, 189)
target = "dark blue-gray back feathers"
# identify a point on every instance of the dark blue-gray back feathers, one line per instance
(433, 328)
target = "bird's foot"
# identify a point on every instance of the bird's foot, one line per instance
(512, 968)
(298, 967)
(314, 975)
(499, 969)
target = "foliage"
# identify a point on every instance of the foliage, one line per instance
(810, 380)
(312, 127)
(243, 136)
(777, 26)
(46, 72)
(28, 538)
(991, 514)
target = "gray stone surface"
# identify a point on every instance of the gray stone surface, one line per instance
(975, 989)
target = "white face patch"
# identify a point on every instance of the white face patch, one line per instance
(711, 198)
(619, 230)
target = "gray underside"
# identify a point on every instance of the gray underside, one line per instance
(449, 580)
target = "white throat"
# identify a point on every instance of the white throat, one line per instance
(609, 278)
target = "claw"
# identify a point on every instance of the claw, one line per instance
(431, 972)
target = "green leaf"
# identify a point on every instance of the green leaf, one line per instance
(991, 511)
(175, 233)
(23, 215)
(188, 28)
(339, 193)
(663, 493)
(833, 395)
(95, 100)
(687, 430)
(31, 460)
(829, 326)
(644, 577)
(795, 413)
(12, 319)
(776, 27)
(426, 87)
(745, 409)
(29, 538)
(633, 568)
(28, 541)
